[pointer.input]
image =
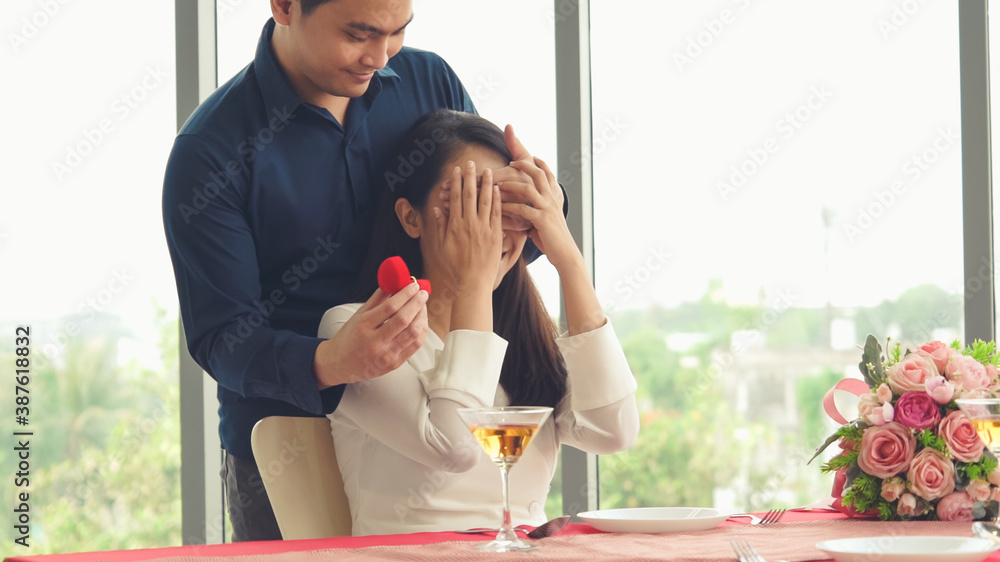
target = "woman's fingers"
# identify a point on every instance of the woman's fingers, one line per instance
(440, 224)
(551, 177)
(524, 194)
(537, 175)
(531, 214)
(455, 195)
(486, 194)
(469, 190)
(496, 207)
(517, 150)
(508, 173)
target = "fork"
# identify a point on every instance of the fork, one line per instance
(772, 516)
(745, 552)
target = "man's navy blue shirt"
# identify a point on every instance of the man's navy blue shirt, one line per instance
(267, 204)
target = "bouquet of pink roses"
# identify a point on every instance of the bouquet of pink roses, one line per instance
(911, 453)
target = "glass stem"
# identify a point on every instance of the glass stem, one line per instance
(506, 531)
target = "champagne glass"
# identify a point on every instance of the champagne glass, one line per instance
(984, 413)
(504, 433)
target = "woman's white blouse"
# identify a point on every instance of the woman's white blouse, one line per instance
(409, 462)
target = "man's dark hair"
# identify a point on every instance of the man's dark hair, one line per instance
(309, 5)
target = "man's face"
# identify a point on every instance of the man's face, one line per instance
(338, 47)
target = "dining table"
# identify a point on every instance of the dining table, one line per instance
(793, 538)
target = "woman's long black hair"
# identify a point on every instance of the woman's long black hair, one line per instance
(533, 372)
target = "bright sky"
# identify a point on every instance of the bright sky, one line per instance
(838, 107)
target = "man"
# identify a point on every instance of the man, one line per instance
(267, 196)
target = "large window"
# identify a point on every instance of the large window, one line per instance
(773, 181)
(90, 118)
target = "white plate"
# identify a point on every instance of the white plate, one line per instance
(654, 519)
(901, 548)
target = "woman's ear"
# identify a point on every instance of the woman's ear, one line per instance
(409, 218)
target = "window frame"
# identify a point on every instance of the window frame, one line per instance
(202, 495)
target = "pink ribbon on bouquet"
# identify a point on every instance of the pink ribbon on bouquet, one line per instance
(854, 386)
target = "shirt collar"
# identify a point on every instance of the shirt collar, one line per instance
(275, 86)
(277, 91)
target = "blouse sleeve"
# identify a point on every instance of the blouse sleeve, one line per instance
(412, 408)
(598, 413)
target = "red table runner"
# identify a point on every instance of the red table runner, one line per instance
(792, 539)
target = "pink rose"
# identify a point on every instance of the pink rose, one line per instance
(884, 393)
(940, 389)
(936, 352)
(886, 450)
(873, 411)
(892, 488)
(994, 477)
(992, 372)
(917, 410)
(909, 374)
(979, 490)
(967, 372)
(955, 507)
(931, 475)
(867, 404)
(961, 437)
(995, 495)
(907, 506)
(882, 415)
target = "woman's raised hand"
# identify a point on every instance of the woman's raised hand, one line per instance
(471, 235)
(541, 202)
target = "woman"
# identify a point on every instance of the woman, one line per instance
(409, 463)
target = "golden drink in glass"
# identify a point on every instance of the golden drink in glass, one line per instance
(504, 434)
(504, 444)
(984, 413)
(988, 430)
